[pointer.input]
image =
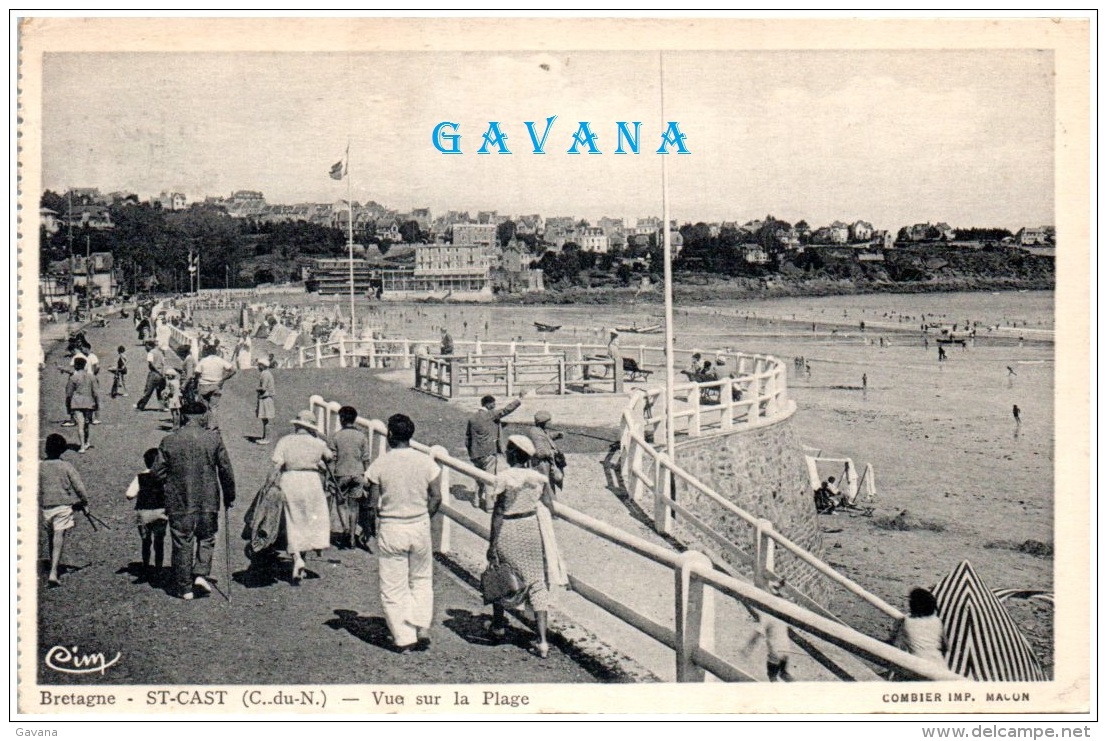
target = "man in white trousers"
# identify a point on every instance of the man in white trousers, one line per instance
(402, 493)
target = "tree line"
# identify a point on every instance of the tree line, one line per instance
(151, 245)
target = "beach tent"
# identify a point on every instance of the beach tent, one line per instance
(279, 334)
(820, 468)
(984, 642)
(290, 340)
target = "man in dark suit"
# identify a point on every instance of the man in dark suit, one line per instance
(482, 439)
(194, 468)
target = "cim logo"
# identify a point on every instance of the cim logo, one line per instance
(72, 661)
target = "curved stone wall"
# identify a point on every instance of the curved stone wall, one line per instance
(762, 471)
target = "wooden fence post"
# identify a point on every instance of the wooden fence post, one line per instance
(726, 398)
(407, 354)
(764, 554)
(382, 444)
(510, 373)
(561, 376)
(318, 353)
(442, 485)
(695, 616)
(342, 353)
(694, 423)
(662, 493)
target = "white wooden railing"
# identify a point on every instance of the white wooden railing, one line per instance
(649, 475)
(697, 582)
(476, 375)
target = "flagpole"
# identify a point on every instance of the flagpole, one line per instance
(670, 375)
(350, 238)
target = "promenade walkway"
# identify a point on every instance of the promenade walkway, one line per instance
(329, 630)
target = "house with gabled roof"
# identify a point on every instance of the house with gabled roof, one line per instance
(529, 224)
(92, 216)
(860, 231)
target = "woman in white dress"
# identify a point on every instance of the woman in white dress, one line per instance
(301, 459)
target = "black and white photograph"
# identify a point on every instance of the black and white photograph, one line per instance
(458, 366)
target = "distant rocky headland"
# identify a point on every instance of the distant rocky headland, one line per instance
(824, 273)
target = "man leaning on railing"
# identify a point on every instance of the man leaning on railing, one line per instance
(482, 439)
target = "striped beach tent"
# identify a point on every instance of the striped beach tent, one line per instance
(984, 642)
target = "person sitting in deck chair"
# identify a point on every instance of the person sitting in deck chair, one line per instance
(827, 497)
(709, 395)
(695, 367)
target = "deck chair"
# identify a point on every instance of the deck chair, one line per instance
(632, 372)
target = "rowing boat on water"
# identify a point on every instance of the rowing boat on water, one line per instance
(648, 329)
(546, 327)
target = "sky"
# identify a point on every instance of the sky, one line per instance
(891, 137)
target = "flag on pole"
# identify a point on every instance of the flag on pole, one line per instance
(192, 260)
(338, 170)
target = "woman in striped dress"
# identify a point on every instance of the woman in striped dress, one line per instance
(516, 539)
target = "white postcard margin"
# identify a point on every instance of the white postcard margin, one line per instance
(1069, 692)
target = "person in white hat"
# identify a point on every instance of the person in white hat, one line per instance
(300, 458)
(516, 538)
(613, 350)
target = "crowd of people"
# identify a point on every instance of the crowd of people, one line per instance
(320, 486)
(332, 490)
(701, 370)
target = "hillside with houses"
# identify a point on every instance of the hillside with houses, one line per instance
(117, 243)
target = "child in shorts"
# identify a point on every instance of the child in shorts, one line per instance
(172, 395)
(777, 643)
(61, 493)
(149, 496)
(119, 373)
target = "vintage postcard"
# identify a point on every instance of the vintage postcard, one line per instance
(459, 366)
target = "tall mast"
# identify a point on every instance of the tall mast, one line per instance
(350, 238)
(670, 375)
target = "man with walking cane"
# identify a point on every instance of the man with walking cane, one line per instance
(195, 470)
